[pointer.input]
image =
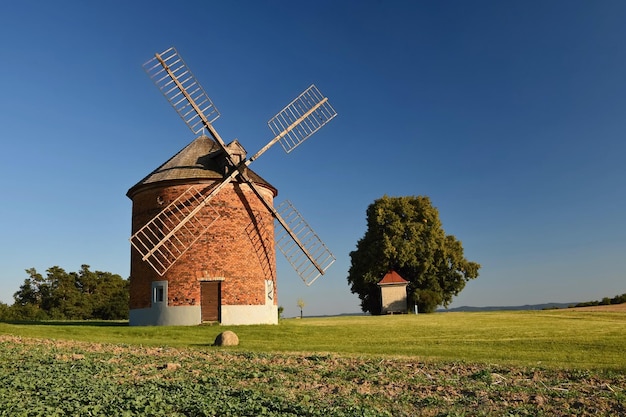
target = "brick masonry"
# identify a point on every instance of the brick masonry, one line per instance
(238, 247)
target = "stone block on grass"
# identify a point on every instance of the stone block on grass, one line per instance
(226, 338)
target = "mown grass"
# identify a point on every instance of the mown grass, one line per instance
(557, 338)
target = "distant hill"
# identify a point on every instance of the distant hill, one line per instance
(544, 306)
(606, 301)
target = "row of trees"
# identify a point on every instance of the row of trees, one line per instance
(61, 295)
(606, 301)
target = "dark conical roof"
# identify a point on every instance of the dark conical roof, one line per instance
(201, 159)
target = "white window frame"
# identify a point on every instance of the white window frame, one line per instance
(159, 292)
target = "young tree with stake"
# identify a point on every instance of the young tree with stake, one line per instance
(301, 304)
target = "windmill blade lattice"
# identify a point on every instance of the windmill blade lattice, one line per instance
(310, 106)
(181, 89)
(306, 253)
(171, 232)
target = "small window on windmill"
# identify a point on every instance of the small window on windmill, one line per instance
(159, 292)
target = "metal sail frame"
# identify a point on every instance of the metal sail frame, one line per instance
(300, 119)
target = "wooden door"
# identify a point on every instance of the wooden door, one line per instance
(210, 294)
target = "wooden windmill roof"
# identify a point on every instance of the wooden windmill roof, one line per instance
(201, 159)
(392, 277)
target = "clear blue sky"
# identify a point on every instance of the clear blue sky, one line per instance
(510, 116)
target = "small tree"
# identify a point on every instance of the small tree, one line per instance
(301, 304)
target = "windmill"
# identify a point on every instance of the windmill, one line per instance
(165, 239)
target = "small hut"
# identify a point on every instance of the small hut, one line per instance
(393, 294)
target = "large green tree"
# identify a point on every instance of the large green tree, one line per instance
(406, 235)
(78, 295)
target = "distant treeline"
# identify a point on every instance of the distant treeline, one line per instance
(61, 295)
(606, 301)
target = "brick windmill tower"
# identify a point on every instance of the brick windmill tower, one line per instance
(203, 223)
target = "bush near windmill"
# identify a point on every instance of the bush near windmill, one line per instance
(405, 234)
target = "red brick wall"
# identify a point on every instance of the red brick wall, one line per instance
(234, 247)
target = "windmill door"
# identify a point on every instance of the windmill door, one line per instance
(210, 300)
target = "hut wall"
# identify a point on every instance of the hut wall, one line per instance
(394, 298)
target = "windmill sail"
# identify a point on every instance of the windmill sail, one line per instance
(171, 75)
(322, 113)
(308, 255)
(170, 233)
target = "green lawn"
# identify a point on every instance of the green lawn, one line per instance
(555, 338)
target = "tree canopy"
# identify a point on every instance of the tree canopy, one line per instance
(61, 295)
(405, 234)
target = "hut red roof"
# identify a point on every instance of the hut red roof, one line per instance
(392, 277)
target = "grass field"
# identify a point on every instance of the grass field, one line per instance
(534, 363)
(555, 338)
